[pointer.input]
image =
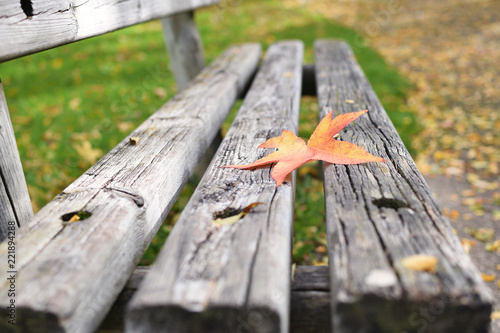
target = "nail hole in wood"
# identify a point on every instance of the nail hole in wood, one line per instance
(228, 212)
(27, 7)
(389, 203)
(82, 215)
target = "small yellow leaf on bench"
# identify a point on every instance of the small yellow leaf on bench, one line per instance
(235, 215)
(74, 218)
(349, 101)
(288, 74)
(420, 262)
(134, 140)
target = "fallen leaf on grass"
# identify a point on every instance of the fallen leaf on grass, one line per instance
(88, 154)
(481, 234)
(488, 277)
(493, 246)
(293, 152)
(467, 244)
(495, 315)
(231, 216)
(420, 262)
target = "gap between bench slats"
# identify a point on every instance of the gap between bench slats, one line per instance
(39, 25)
(380, 213)
(69, 276)
(233, 277)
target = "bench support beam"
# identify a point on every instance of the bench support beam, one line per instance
(184, 47)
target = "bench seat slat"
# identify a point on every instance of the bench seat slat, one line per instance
(233, 277)
(59, 22)
(68, 276)
(378, 214)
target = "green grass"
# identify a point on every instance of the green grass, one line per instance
(72, 104)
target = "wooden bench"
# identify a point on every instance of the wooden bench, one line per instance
(236, 277)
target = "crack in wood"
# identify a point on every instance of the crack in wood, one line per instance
(137, 198)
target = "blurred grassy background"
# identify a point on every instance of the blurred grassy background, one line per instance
(71, 105)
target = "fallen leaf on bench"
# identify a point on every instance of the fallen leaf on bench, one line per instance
(293, 152)
(134, 140)
(231, 216)
(420, 262)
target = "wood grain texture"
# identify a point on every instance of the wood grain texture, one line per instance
(380, 213)
(40, 24)
(68, 276)
(184, 47)
(233, 277)
(15, 204)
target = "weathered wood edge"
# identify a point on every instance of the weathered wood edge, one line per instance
(15, 204)
(68, 276)
(309, 309)
(379, 213)
(184, 47)
(232, 277)
(47, 24)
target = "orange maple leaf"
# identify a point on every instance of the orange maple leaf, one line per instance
(293, 152)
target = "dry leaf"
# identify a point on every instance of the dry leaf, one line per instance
(420, 262)
(481, 234)
(134, 140)
(495, 315)
(467, 244)
(74, 218)
(293, 152)
(488, 277)
(234, 215)
(493, 246)
(88, 154)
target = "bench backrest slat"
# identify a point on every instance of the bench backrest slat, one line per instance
(32, 26)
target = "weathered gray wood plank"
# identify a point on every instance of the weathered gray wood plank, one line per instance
(31, 26)
(309, 311)
(233, 277)
(15, 204)
(68, 276)
(184, 47)
(380, 213)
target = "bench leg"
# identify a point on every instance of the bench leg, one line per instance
(184, 47)
(15, 204)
